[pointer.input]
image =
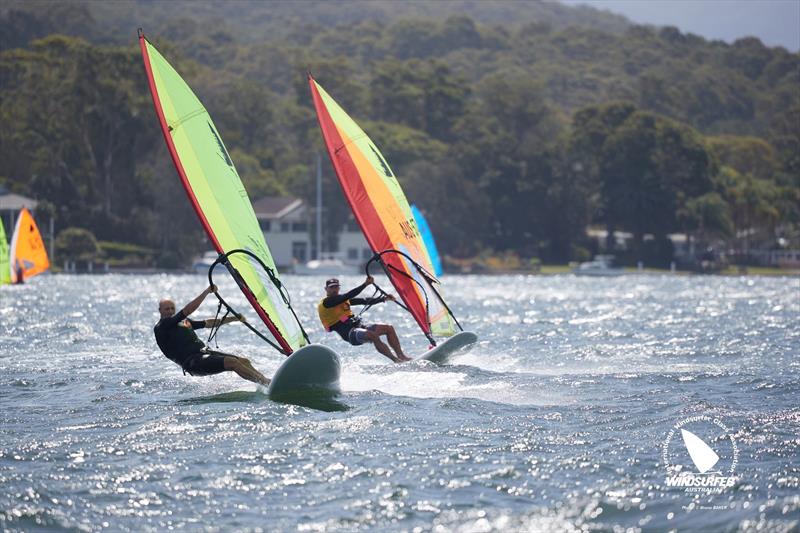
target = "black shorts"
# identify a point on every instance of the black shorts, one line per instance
(205, 363)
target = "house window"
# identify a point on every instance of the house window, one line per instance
(352, 253)
(299, 249)
(265, 225)
(299, 226)
(366, 253)
(285, 227)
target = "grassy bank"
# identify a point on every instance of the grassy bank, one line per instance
(509, 264)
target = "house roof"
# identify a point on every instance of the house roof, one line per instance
(276, 206)
(15, 202)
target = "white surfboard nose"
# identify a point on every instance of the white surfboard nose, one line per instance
(702, 455)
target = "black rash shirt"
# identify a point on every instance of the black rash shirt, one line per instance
(343, 328)
(176, 337)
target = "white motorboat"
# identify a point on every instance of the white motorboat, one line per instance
(601, 265)
(330, 266)
(202, 264)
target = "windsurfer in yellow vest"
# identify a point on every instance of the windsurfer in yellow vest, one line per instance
(335, 314)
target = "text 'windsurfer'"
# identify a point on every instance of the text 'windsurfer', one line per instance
(335, 315)
(176, 337)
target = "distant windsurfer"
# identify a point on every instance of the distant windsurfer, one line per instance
(176, 337)
(20, 274)
(335, 315)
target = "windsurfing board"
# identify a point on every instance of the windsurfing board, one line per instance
(459, 343)
(312, 369)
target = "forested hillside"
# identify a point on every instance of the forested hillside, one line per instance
(513, 125)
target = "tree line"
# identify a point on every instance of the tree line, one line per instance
(511, 139)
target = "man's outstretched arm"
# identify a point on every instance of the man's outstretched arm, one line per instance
(333, 301)
(192, 306)
(216, 322)
(372, 301)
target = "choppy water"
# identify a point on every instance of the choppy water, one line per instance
(556, 421)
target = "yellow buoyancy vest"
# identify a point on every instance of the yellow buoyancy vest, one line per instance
(331, 315)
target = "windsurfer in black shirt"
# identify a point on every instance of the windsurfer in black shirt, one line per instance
(335, 315)
(176, 337)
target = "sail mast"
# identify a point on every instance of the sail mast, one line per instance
(319, 207)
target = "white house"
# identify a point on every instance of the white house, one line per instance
(10, 206)
(353, 247)
(287, 226)
(284, 221)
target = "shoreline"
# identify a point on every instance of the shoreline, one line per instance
(545, 270)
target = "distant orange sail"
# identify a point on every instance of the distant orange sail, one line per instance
(28, 253)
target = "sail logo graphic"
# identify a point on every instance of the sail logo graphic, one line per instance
(384, 165)
(409, 228)
(691, 460)
(224, 153)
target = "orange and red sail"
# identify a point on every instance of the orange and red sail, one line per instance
(383, 212)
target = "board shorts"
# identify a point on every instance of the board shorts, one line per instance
(205, 363)
(358, 336)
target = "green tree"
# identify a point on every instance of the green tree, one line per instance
(425, 95)
(468, 109)
(77, 244)
(647, 167)
(746, 154)
(707, 217)
(753, 204)
(80, 115)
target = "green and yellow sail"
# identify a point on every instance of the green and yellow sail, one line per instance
(5, 267)
(217, 193)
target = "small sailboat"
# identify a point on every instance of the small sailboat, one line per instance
(27, 255)
(223, 207)
(385, 217)
(600, 266)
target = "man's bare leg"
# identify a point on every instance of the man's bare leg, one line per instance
(394, 341)
(245, 370)
(249, 365)
(375, 339)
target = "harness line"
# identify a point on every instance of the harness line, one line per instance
(223, 259)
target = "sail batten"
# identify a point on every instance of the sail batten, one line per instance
(382, 210)
(217, 194)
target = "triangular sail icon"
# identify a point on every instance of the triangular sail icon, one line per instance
(702, 455)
